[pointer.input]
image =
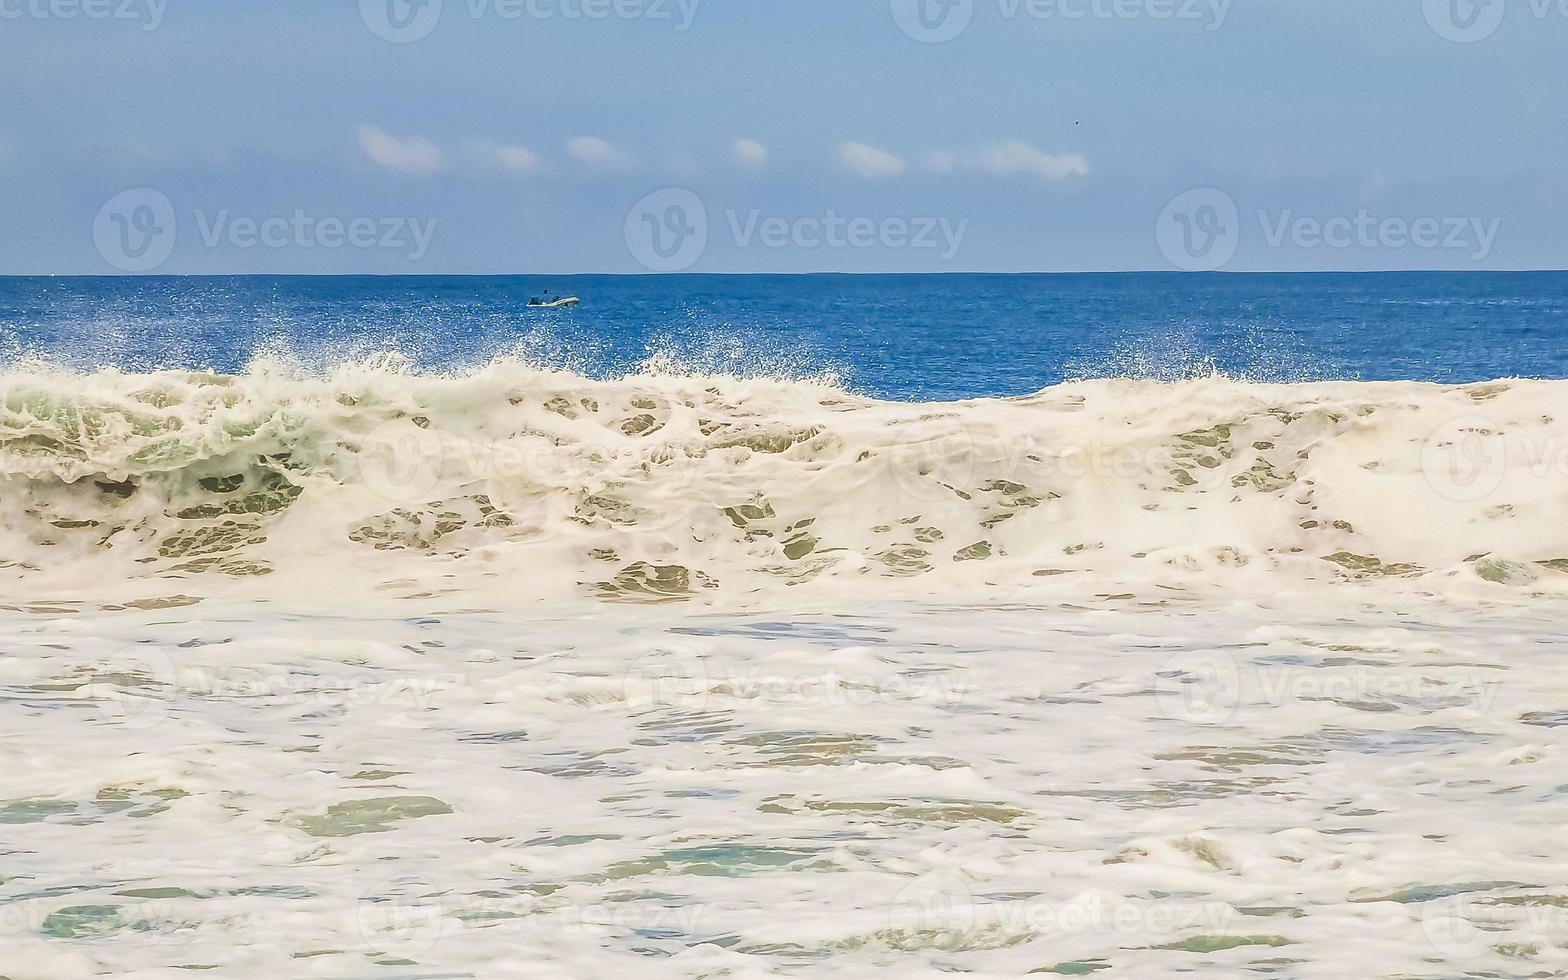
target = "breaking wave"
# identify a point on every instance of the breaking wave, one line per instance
(515, 483)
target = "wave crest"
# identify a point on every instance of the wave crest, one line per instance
(526, 483)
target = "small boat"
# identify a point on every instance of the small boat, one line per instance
(539, 304)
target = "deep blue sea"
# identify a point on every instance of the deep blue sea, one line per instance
(899, 337)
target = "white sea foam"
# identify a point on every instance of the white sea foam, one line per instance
(915, 789)
(725, 491)
(368, 673)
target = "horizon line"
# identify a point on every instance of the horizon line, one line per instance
(743, 275)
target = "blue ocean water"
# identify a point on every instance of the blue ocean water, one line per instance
(898, 337)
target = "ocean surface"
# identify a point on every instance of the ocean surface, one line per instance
(906, 338)
(1128, 625)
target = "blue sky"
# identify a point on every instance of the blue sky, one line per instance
(555, 136)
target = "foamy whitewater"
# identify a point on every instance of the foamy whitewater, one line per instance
(379, 673)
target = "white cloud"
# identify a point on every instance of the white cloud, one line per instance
(870, 162)
(596, 154)
(415, 155)
(520, 160)
(1006, 160)
(1014, 157)
(750, 152)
